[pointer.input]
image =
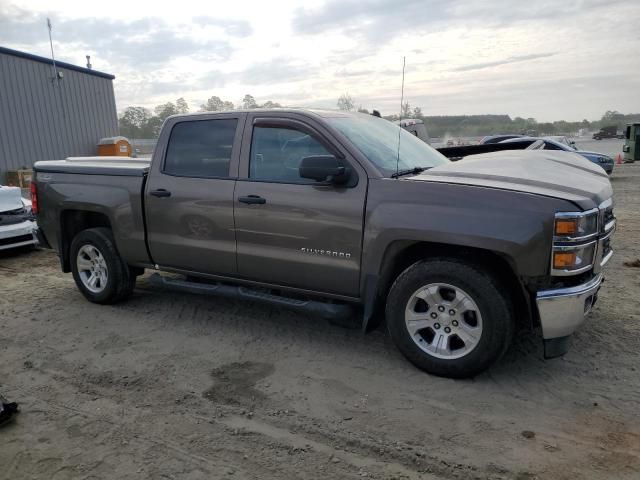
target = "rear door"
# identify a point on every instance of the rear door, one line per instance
(189, 194)
(291, 231)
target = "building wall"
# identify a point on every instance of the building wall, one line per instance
(41, 119)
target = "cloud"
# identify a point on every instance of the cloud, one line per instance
(277, 70)
(211, 79)
(235, 28)
(377, 21)
(506, 61)
(143, 43)
(463, 56)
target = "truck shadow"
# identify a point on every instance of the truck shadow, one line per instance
(280, 327)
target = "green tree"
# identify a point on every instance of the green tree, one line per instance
(182, 106)
(133, 121)
(249, 102)
(166, 110)
(215, 104)
(405, 111)
(270, 104)
(346, 103)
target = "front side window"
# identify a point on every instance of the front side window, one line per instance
(276, 154)
(201, 148)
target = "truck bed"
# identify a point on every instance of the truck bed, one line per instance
(108, 190)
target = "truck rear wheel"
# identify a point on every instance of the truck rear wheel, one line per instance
(449, 318)
(98, 270)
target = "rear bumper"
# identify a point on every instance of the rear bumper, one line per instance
(18, 235)
(563, 310)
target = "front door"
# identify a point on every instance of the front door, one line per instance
(189, 195)
(290, 230)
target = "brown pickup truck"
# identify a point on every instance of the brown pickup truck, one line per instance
(336, 213)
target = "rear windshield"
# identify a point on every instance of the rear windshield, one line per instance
(377, 139)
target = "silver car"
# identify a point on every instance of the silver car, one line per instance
(17, 224)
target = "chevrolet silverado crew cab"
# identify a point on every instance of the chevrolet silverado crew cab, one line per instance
(337, 212)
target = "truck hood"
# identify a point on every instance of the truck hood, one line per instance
(564, 175)
(10, 199)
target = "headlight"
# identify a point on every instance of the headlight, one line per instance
(575, 226)
(574, 242)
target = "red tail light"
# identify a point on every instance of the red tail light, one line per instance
(34, 198)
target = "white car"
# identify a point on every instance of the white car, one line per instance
(17, 224)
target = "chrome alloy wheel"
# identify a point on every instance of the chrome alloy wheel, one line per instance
(92, 268)
(443, 321)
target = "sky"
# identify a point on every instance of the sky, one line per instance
(549, 60)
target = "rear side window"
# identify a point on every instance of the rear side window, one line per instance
(200, 148)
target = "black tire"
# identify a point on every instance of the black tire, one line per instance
(120, 279)
(485, 290)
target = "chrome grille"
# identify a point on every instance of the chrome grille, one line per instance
(607, 225)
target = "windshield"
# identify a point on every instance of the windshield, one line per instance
(377, 139)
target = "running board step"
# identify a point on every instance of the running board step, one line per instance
(331, 311)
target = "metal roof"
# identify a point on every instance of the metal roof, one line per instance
(68, 66)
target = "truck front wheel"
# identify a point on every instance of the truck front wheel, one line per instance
(449, 318)
(98, 270)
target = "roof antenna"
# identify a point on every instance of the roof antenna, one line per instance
(400, 117)
(53, 58)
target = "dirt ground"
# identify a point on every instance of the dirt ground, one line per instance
(174, 386)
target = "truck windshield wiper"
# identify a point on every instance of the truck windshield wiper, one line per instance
(414, 170)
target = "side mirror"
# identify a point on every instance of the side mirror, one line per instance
(323, 168)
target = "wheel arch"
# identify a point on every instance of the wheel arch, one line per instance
(401, 254)
(73, 222)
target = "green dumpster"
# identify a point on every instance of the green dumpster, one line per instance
(631, 146)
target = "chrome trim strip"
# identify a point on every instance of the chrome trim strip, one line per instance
(610, 225)
(606, 204)
(571, 291)
(576, 214)
(574, 239)
(573, 247)
(607, 235)
(606, 258)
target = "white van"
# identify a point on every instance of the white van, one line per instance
(415, 126)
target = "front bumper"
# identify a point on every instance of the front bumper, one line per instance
(18, 235)
(563, 310)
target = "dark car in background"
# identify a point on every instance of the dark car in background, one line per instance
(605, 161)
(608, 132)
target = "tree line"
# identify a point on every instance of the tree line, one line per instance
(480, 125)
(141, 122)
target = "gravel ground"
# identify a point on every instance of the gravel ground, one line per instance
(170, 385)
